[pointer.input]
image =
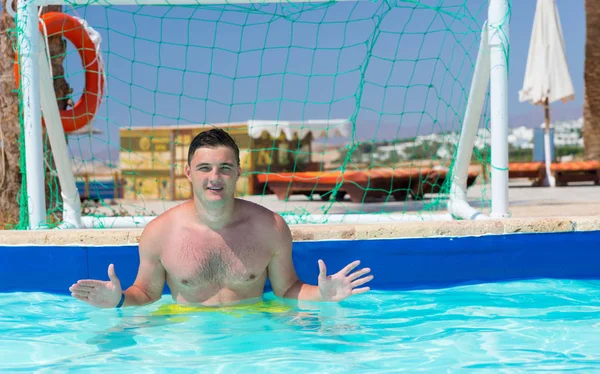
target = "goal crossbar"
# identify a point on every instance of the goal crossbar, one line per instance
(179, 2)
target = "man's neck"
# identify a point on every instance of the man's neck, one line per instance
(214, 215)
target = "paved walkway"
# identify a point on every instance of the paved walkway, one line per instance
(524, 201)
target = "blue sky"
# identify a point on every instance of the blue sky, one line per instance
(169, 66)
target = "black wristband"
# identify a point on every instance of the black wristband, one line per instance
(120, 304)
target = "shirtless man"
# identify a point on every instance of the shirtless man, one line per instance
(216, 249)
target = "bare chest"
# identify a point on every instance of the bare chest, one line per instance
(215, 262)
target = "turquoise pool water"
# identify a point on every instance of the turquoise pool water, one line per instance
(545, 325)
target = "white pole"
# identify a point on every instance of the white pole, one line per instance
(58, 143)
(458, 205)
(28, 40)
(549, 180)
(498, 18)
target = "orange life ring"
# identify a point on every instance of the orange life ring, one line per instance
(84, 110)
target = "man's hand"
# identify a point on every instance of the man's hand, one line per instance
(339, 286)
(100, 294)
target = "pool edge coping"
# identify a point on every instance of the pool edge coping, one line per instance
(310, 232)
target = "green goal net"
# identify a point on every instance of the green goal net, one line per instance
(345, 109)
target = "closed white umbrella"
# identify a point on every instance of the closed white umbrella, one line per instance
(547, 77)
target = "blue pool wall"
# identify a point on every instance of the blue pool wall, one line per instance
(397, 264)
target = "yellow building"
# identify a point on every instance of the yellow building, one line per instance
(152, 158)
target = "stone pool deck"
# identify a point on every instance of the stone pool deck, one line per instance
(328, 232)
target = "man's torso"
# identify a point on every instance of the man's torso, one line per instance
(208, 267)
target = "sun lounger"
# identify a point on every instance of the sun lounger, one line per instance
(576, 171)
(534, 171)
(285, 184)
(362, 186)
(563, 172)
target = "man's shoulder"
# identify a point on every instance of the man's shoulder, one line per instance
(257, 213)
(175, 214)
(264, 220)
(159, 227)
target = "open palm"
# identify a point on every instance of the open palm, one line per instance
(342, 285)
(101, 294)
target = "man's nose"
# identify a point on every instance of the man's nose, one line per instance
(215, 173)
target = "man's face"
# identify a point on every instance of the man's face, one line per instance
(213, 173)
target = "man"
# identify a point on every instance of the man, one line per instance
(216, 249)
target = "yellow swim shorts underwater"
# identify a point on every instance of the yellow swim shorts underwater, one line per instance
(270, 307)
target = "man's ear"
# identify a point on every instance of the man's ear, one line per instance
(188, 172)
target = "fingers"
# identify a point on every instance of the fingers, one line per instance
(361, 281)
(358, 281)
(84, 288)
(322, 268)
(349, 267)
(79, 297)
(358, 291)
(80, 288)
(359, 274)
(90, 283)
(112, 275)
(80, 293)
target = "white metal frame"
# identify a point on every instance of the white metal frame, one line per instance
(32, 119)
(38, 95)
(498, 20)
(58, 143)
(491, 68)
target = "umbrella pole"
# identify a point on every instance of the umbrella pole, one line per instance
(549, 181)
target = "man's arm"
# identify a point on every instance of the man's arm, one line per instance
(147, 287)
(149, 283)
(285, 282)
(281, 270)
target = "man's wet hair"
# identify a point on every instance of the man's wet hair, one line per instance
(212, 138)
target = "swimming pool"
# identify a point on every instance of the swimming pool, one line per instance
(519, 301)
(532, 325)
